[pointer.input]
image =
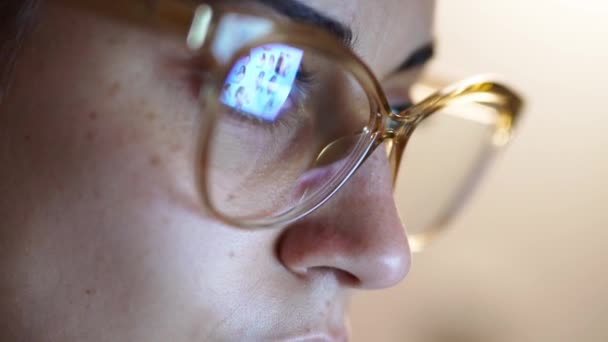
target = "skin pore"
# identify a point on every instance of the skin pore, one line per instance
(102, 233)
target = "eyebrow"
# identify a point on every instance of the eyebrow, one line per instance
(419, 57)
(297, 11)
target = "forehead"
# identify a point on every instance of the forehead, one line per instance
(386, 31)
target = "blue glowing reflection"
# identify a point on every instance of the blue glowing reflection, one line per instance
(259, 84)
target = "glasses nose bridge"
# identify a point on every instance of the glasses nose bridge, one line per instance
(395, 126)
(395, 130)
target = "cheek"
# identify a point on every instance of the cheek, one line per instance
(100, 208)
(99, 201)
(102, 113)
(107, 219)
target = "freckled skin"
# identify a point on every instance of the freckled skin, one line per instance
(114, 89)
(155, 160)
(103, 236)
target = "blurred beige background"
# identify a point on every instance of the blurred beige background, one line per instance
(527, 259)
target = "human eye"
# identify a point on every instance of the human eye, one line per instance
(271, 151)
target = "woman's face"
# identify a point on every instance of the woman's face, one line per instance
(103, 234)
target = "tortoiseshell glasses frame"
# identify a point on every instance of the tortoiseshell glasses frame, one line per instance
(206, 34)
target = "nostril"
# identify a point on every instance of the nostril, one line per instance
(343, 277)
(356, 239)
(315, 251)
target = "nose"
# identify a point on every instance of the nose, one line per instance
(357, 235)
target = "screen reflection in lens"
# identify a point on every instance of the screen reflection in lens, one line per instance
(259, 84)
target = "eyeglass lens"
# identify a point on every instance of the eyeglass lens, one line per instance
(282, 108)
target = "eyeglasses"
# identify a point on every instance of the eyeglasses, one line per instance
(290, 113)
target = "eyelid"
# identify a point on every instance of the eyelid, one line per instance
(304, 80)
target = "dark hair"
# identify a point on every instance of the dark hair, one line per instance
(15, 18)
(279, 64)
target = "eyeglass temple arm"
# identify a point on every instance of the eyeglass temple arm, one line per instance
(505, 102)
